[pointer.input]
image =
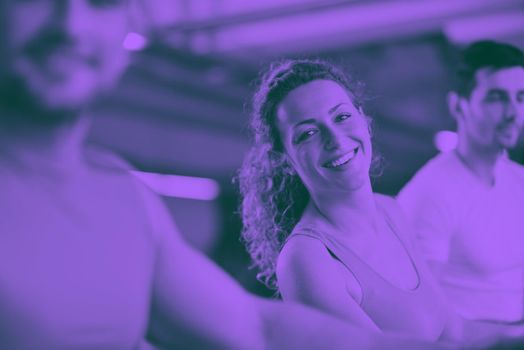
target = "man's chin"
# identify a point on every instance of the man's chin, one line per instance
(75, 92)
(22, 106)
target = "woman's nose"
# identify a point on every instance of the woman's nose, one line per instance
(333, 139)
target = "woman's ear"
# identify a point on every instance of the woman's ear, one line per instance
(369, 121)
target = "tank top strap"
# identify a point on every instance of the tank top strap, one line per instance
(305, 231)
(395, 228)
(344, 255)
(403, 236)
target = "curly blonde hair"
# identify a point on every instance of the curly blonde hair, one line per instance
(273, 196)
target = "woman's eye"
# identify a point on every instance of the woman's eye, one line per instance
(305, 135)
(342, 117)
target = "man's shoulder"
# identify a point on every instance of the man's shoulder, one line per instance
(106, 160)
(513, 174)
(515, 167)
(436, 183)
(159, 218)
(120, 173)
(434, 173)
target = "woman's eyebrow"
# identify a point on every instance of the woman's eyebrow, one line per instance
(306, 121)
(332, 109)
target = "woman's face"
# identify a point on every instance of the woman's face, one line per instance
(325, 137)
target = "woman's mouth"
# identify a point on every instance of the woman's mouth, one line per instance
(342, 160)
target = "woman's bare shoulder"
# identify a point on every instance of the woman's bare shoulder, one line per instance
(300, 250)
(306, 270)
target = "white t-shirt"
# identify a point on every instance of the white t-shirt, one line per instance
(474, 231)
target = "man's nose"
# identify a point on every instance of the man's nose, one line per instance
(514, 110)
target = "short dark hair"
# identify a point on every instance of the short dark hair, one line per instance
(485, 54)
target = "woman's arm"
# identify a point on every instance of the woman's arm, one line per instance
(198, 306)
(308, 274)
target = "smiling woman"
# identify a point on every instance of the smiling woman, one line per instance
(325, 136)
(274, 197)
(312, 224)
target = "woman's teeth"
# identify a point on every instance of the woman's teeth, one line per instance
(342, 160)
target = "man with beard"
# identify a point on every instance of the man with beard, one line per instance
(89, 259)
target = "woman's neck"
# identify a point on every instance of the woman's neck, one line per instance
(353, 211)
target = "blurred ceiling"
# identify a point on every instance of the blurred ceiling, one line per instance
(249, 29)
(181, 107)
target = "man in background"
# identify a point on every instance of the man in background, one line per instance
(467, 205)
